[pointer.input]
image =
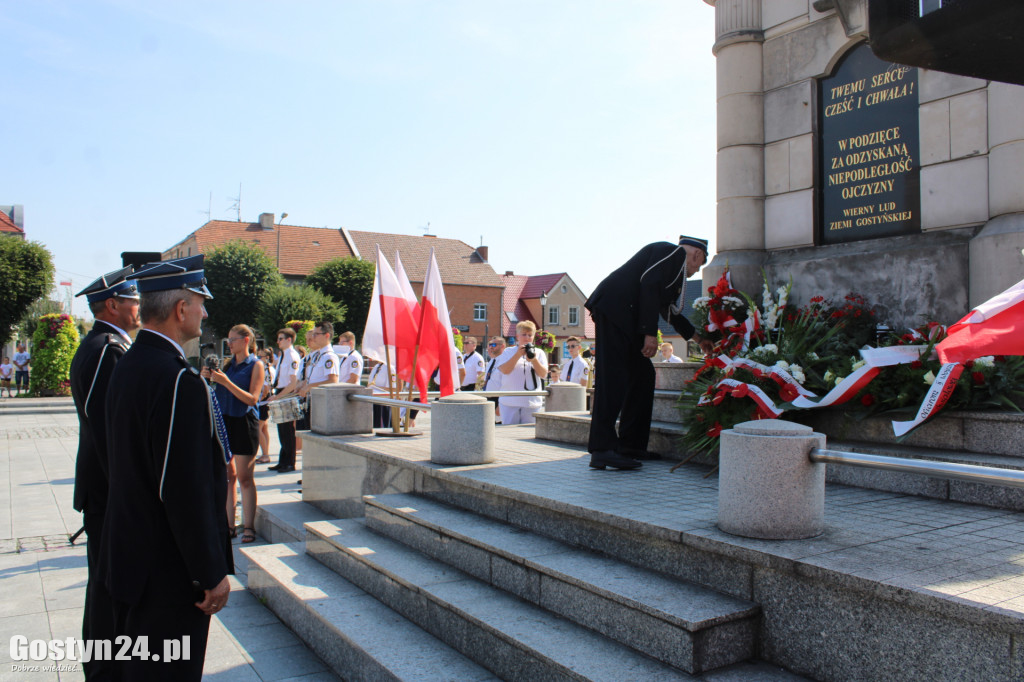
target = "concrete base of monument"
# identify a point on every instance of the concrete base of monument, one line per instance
(629, 569)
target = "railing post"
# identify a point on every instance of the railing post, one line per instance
(768, 487)
(462, 430)
(333, 414)
(566, 396)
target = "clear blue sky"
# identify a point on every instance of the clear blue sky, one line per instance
(565, 135)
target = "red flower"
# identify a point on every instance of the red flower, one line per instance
(740, 391)
(715, 431)
(788, 393)
(867, 400)
(978, 378)
(817, 299)
(1000, 358)
(717, 400)
(916, 364)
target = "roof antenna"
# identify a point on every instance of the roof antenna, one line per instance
(237, 206)
(426, 230)
(209, 209)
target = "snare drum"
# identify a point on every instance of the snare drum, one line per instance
(286, 410)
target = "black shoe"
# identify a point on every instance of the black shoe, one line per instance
(634, 453)
(284, 469)
(274, 468)
(610, 458)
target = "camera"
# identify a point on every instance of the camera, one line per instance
(530, 350)
(211, 361)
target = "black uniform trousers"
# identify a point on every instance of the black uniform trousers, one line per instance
(160, 622)
(286, 436)
(623, 390)
(98, 622)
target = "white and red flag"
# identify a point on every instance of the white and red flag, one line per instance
(391, 323)
(996, 327)
(437, 345)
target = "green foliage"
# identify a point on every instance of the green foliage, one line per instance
(301, 327)
(350, 282)
(30, 320)
(27, 269)
(53, 346)
(238, 275)
(283, 303)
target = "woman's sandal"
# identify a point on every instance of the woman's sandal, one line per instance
(248, 535)
(263, 460)
(232, 531)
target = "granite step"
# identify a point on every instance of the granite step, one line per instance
(511, 637)
(573, 428)
(360, 638)
(687, 626)
(280, 517)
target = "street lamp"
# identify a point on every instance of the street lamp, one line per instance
(543, 310)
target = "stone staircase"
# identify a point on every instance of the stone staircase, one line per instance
(979, 438)
(419, 589)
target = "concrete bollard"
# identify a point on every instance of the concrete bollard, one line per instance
(333, 414)
(566, 396)
(767, 486)
(462, 430)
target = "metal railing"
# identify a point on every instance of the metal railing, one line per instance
(962, 472)
(392, 402)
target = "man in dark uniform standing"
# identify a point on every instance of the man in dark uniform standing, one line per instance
(625, 307)
(114, 302)
(166, 552)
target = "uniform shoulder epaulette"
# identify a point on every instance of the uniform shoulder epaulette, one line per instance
(185, 363)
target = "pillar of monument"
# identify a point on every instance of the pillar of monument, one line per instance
(740, 161)
(997, 251)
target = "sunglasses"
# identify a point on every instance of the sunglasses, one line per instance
(492, 345)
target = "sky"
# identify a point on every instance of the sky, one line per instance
(562, 135)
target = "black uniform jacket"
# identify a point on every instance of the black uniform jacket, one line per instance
(168, 480)
(91, 368)
(634, 295)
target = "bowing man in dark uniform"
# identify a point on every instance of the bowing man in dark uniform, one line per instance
(625, 307)
(166, 552)
(114, 302)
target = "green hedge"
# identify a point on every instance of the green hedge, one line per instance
(53, 346)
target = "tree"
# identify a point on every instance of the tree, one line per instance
(27, 269)
(350, 282)
(238, 275)
(53, 346)
(30, 320)
(283, 303)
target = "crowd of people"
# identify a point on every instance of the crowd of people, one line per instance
(163, 446)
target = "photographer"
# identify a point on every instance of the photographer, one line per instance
(522, 368)
(239, 387)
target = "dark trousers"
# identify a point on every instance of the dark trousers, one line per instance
(98, 621)
(623, 390)
(286, 434)
(160, 622)
(381, 417)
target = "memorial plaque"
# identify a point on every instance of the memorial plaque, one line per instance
(868, 149)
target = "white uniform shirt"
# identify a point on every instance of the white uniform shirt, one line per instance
(474, 365)
(493, 382)
(287, 367)
(378, 379)
(352, 361)
(575, 370)
(674, 358)
(320, 364)
(521, 378)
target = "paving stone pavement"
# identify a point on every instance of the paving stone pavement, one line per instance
(42, 577)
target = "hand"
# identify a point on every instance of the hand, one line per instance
(303, 391)
(650, 346)
(215, 599)
(706, 345)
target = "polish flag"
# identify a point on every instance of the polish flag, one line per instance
(996, 327)
(390, 326)
(403, 281)
(437, 345)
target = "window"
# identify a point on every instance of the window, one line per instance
(479, 312)
(553, 315)
(574, 316)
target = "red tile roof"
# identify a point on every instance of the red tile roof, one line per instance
(459, 262)
(7, 225)
(522, 288)
(299, 250)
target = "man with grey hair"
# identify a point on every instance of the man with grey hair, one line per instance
(166, 553)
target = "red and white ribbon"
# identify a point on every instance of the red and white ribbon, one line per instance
(846, 389)
(739, 389)
(937, 396)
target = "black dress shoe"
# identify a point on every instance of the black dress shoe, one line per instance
(274, 468)
(284, 470)
(610, 458)
(633, 453)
